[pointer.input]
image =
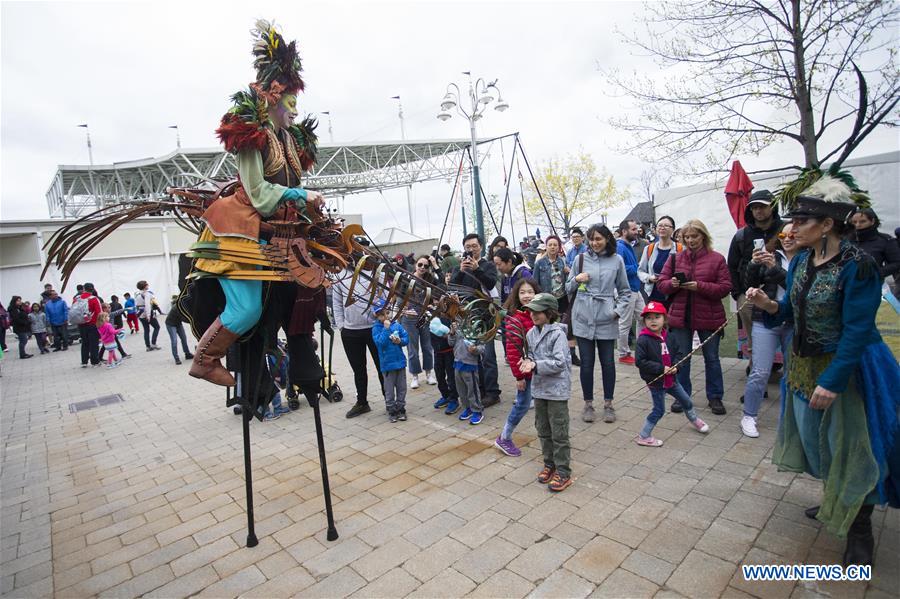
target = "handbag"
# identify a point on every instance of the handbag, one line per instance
(567, 317)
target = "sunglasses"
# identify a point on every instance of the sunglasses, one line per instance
(422, 265)
(786, 235)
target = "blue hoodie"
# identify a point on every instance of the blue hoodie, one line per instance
(57, 311)
(390, 355)
(623, 248)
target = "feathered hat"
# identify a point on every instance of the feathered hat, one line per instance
(278, 69)
(832, 193)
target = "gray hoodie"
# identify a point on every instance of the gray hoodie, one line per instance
(549, 349)
(461, 349)
(357, 316)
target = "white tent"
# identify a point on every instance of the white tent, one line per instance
(878, 174)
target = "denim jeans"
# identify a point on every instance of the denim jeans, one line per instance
(60, 336)
(606, 350)
(680, 344)
(418, 336)
(488, 373)
(147, 324)
(658, 394)
(23, 341)
(766, 342)
(518, 411)
(176, 333)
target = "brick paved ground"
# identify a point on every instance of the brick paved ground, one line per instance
(147, 497)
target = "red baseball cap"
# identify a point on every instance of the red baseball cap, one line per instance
(654, 308)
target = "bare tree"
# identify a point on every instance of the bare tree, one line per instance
(652, 180)
(573, 190)
(741, 75)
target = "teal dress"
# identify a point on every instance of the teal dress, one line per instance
(853, 446)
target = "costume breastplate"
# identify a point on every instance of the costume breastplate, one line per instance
(281, 163)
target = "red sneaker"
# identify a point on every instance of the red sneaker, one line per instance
(626, 359)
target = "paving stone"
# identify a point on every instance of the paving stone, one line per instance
(701, 574)
(718, 486)
(481, 563)
(647, 566)
(387, 530)
(622, 583)
(646, 513)
(767, 589)
(388, 556)
(481, 528)
(749, 509)
(503, 584)
(163, 555)
(235, 584)
(541, 559)
(624, 533)
(394, 583)
(728, 540)
(142, 584)
(203, 555)
(596, 560)
(434, 560)
(448, 583)
(288, 583)
(671, 541)
(98, 583)
(563, 583)
(696, 511)
(336, 557)
(434, 529)
(339, 584)
(571, 535)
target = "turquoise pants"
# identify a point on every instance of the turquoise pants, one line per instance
(243, 304)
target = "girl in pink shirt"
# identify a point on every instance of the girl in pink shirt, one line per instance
(108, 338)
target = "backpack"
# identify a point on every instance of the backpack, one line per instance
(678, 248)
(79, 311)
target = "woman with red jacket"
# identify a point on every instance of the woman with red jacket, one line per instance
(696, 280)
(518, 323)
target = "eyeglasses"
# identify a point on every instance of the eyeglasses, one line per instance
(422, 265)
(662, 226)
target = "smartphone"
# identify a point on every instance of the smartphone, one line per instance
(759, 244)
(682, 278)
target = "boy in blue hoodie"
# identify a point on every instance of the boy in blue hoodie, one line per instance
(390, 339)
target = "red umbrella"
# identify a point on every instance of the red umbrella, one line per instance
(737, 193)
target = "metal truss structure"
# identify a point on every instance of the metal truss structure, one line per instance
(341, 169)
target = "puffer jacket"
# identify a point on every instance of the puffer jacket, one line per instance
(740, 252)
(57, 311)
(597, 308)
(390, 355)
(883, 248)
(709, 270)
(514, 344)
(549, 348)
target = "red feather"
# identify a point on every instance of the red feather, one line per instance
(237, 134)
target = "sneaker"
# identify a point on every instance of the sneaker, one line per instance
(648, 441)
(676, 407)
(414, 382)
(629, 359)
(508, 447)
(270, 415)
(155, 347)
(716, 407)
(402, 416)
(466, 414)
(126, 356)
(188, 356)
(559, 482)
(177, 361)
(358, 408)
(575, 360)
(112, 364)
(701, 426)
(452, 408)
(588, 414)
(430, 378)
(476, 418)
(56, 349)
(546, 474)
(149, 348)
(748, 426)
(609, 414)
(441, 403)
(393, 417)
(84, 365)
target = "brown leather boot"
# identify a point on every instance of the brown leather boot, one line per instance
(211, 348)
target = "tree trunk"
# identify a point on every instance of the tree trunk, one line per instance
(802, 95)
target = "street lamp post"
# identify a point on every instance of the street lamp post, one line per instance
(481, 95)
(177, 136)
(408, 187)
(87, 132)
(330, 132)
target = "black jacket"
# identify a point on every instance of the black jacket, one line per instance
(648, 359)
(741, 250)
(484, 277)
(884, 248)
(19, 319)
(768, 279)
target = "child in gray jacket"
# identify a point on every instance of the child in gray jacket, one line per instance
(465, 367)
(549, 361)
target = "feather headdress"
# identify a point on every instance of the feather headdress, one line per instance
(832, 185)
(275, 60)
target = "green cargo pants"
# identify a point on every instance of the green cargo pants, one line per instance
(551, 419)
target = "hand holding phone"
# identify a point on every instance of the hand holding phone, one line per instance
(680, 277)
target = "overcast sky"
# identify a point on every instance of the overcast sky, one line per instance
(130, 69)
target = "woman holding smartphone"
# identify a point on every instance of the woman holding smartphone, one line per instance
(696, 282)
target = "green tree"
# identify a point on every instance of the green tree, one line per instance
(737, 76)
(573, 190)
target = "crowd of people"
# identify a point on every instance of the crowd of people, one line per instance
(96, 324)
(646, 298)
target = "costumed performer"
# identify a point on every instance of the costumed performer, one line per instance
(839, 420)
(271, 154)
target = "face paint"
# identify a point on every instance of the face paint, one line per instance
(285, 112)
